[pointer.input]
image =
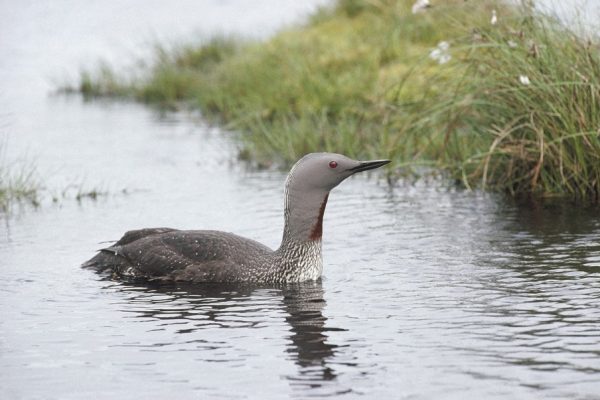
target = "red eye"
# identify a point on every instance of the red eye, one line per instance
(332, 164)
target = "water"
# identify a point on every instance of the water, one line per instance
(428, 292)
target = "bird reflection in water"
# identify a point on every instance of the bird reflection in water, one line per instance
(304, 305)
(194, 308)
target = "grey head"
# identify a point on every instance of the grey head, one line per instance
(307, 188)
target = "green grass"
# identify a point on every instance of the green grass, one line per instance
(18, 184)
(358, 79)
(541, 137)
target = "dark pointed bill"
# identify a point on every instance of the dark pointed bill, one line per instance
(366, 165)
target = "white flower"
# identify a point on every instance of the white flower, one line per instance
(444, 58)
(420, 6)
(441, 53)
(512, 44)
(524, 79)
(494, 19)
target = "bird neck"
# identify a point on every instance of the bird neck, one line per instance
(300, 249)
(303, 217)
(299, 255)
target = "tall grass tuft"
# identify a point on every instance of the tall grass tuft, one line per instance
(18, 184)
(509, 105)
(523, 114)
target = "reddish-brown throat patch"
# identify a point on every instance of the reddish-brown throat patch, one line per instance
(317, 230)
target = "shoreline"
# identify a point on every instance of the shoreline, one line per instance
(491, 105)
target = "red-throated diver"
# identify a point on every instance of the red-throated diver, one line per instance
(212, 256)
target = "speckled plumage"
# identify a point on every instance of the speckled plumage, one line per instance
(212, 256)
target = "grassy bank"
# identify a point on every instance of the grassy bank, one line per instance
(512, 105)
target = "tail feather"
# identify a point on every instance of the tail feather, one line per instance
(106, 259)
(112, 258)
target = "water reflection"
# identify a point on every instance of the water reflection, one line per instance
(557, 217)
(198, 309)
(537, 291)
(552, 241)
(310, 349)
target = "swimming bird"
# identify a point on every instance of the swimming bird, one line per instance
(166, 254)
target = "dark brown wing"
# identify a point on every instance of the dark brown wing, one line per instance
(208, 256)
(111, 257)
(132, 236)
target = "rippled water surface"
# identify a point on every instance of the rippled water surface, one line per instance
(428, 292)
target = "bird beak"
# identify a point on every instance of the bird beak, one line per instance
(366, 165)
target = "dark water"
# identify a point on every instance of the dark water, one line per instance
(428, 292)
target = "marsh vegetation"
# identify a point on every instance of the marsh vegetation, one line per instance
(21, 185)
(490, 94)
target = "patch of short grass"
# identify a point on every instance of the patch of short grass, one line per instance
(18, 184)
